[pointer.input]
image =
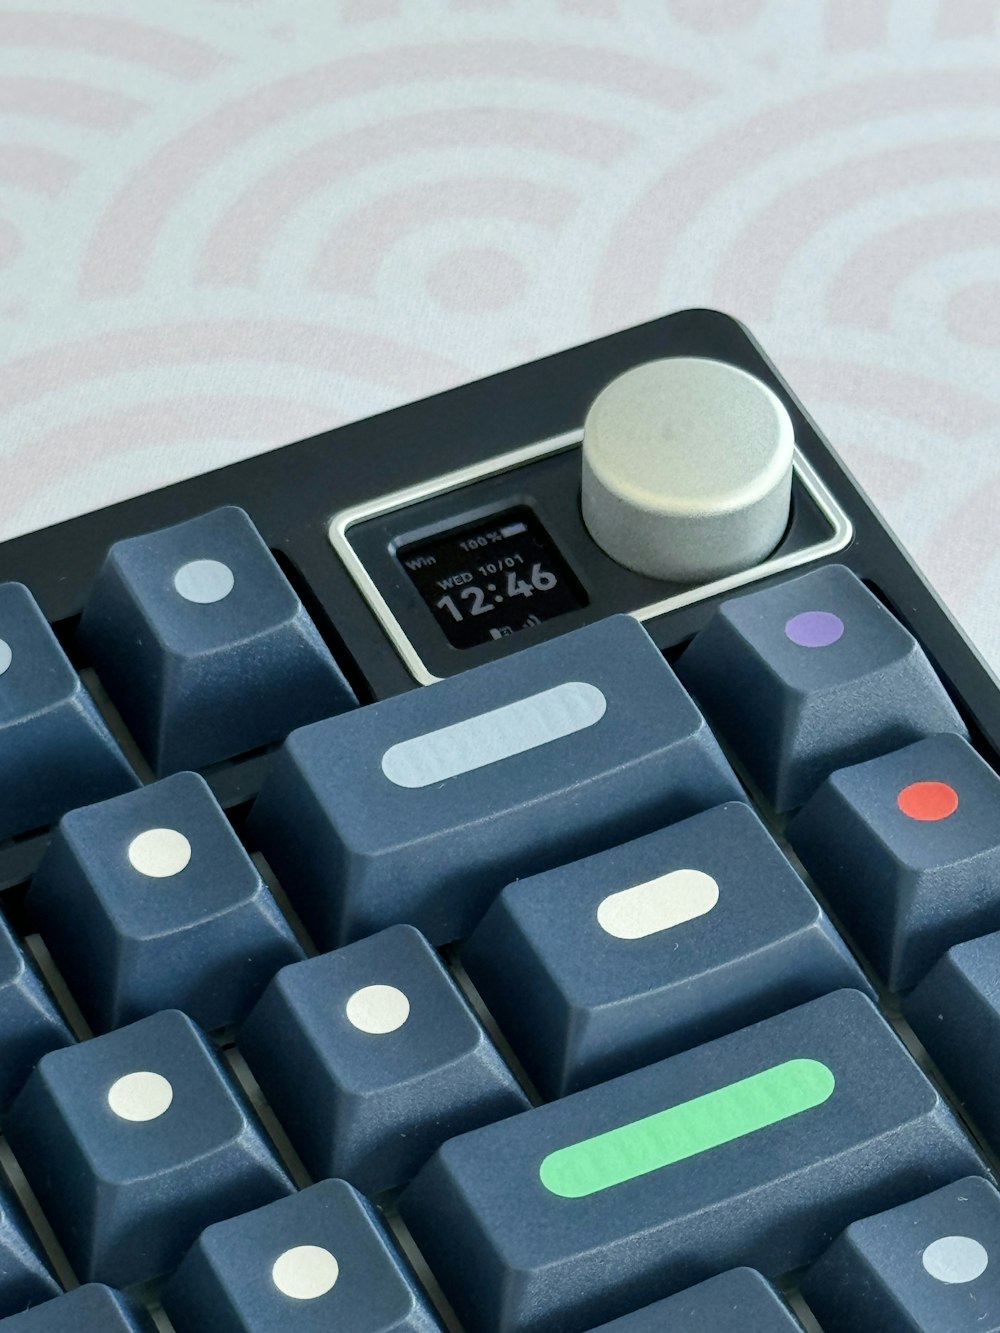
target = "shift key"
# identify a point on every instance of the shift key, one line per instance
(756, 1149)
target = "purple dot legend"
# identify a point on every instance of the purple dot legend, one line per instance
(814, 629)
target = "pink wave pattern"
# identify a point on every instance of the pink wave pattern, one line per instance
(300, 346)
(932, 404)
(39, 170)
(155, 49)
(600, 9)
(246, 231)
(968, 18)
(858, 27)
(124, 240)
(188, 418)
(645, 236)
(501, 181)
(10, 243)
(779, 230)
(350, 258)
(864, 291)
(716, 15)
(369, 11)
(974, 314)
(69, 102)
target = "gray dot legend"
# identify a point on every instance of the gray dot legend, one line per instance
(955, 1260)
(204, 581)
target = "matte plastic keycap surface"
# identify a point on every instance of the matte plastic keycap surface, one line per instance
(371, 1058)
(89, 1309)
(907, 848)
(204, 646)
(422, 807)
(930, 1266)
(149, 901)
(55, 750)
(133, 1143)
(955, 1011)
(609, 963)
(30, 1023)
(809, 675)
(739, 1301)
(25, 1278)
(757, 1149)
(317, 1262)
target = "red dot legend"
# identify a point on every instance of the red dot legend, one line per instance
(928, 801)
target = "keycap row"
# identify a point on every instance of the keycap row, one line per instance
(370, 1056)
(211, 944)
(622, 958)
(907, 847)
(322, 1259)
(371, 1096)
(802, 677)
(422, 807)
(201, 643)
(759, 1148)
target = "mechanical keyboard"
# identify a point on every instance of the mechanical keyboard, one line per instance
(528, 862)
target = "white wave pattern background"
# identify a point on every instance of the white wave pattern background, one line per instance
(226, 224)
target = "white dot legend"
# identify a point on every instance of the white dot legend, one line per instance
(6, 656)
(204, 581)
(658, 904)
(140, 1096)
(159, 853)
(378, 1009)
(955, 1259)
(305, 1273)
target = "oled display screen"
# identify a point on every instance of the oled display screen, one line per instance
(490, 579)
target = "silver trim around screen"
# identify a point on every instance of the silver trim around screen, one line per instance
(842, 530)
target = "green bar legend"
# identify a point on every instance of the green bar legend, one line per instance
(687, 1130)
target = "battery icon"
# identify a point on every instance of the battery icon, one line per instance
(513, 529)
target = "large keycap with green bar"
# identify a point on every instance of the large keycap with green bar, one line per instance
(757, 1149)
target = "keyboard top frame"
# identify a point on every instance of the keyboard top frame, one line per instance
(293, 493)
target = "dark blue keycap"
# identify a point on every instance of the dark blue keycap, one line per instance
(756, 1149)
(24, 1275)
(136, 1141)
(810, 675)
(907, 849)
(371, 1058)
(148, 901)
(30, 1023)
(55, 750)
(655, 946)
(930, 1266)
(203, 645)
(955, 1011)
(422, 807)
(89, 1309)
(739, 1301)
(313, 1263)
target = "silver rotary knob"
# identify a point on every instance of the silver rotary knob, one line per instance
(687, 469)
